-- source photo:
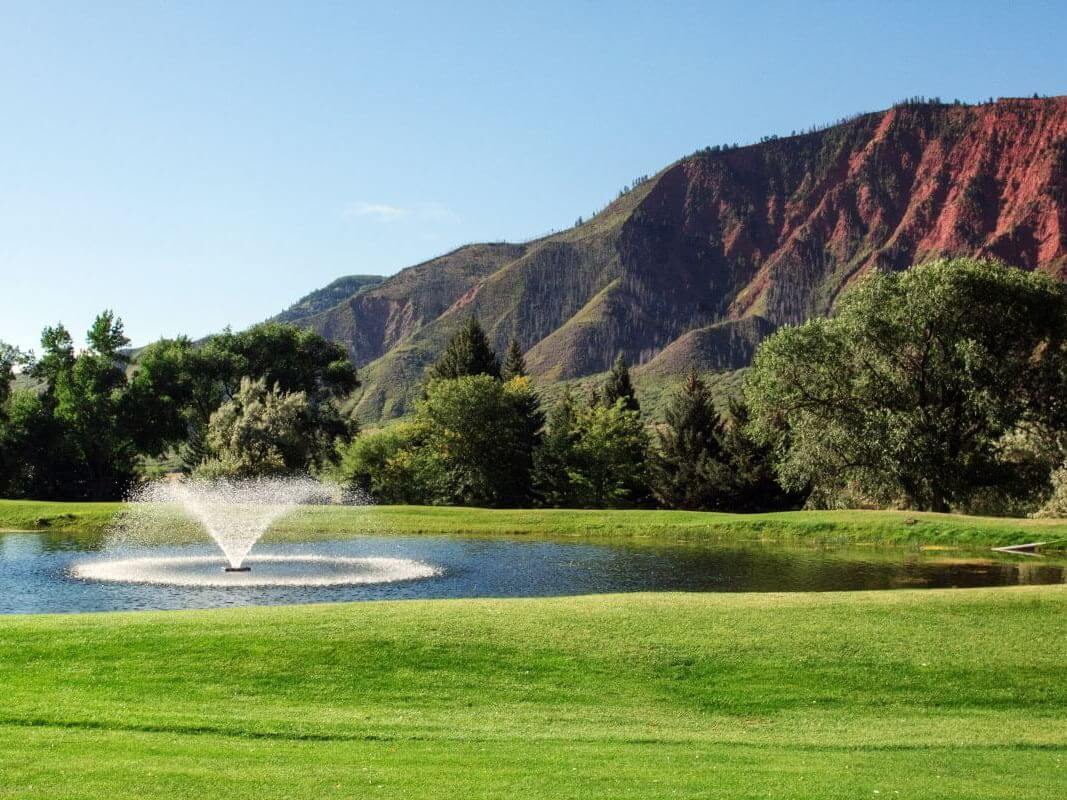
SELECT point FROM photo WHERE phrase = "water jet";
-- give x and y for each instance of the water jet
(235, 514)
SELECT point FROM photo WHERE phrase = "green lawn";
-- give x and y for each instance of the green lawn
(911, 694)
(884, 527)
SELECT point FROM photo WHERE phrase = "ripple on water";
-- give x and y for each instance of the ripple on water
(266, 570)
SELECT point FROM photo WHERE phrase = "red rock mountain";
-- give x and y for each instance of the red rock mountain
(698, 263)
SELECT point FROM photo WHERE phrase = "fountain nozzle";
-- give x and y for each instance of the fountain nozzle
(237, 569)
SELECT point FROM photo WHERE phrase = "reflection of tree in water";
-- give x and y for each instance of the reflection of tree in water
(759, 568)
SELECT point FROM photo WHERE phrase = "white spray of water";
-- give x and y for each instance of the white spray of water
(234, 513)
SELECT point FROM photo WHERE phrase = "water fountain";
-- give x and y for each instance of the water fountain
(235, 514)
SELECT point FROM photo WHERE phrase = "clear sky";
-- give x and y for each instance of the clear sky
(197, 164)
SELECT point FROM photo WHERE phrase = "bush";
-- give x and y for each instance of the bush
(385, 464)
(1056, 505)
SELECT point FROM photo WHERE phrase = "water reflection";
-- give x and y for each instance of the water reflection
(35, 571)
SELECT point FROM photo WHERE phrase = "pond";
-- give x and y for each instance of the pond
(44, 573)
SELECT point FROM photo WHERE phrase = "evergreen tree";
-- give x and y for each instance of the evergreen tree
(689, 470)
(752, 484)
(554, 459)
(618, 386)
(514, 363)
(468, 353)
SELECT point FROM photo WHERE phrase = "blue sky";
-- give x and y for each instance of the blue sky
(198, 164)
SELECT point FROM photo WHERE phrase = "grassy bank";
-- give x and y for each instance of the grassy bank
(878, 527)
(932, 694)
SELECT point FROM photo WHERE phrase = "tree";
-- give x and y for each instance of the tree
(83, 395)
(468, 353)
(87, 430)
(608, 456)
(514, 363)
(183, 384)
(1055, 506)
(480, 435)
(591, 455)
(386, 464)
(618, 386)
(295, 359)
(689, 469)
(10, 357)
(168, 394)
(554, 460)
(260, 431)
(908, 392)
(36, 457)
(751, 483)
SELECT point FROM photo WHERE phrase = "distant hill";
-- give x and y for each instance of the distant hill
(326, 297)
(696, 265)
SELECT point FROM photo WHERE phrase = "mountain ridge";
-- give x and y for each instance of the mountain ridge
(695, 265)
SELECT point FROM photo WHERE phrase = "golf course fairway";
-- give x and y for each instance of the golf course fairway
(914, 693)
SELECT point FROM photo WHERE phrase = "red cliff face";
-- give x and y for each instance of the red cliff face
(782, 227)
(696, 265)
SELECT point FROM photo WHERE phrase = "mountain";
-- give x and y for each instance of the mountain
(696, 265)
(326, 297)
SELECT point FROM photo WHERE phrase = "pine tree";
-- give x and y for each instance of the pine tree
(554, 459)
(514, 363)
(468, 353)
(618, 386)
(753, 485)
(689, 470)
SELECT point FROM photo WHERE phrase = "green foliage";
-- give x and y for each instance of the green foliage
(593, 456)
(294, 359)
(472, 442)
(90, 441)
(514, 363)
(94, 422)
(688, 469)
(468, 353)
(10, 357)
(262, 431)
(706, 461)
(36, 458)
(609, 455)
(1055, 507)
(907, 394)
(385, 464)
(618, 386)
(180, 385)
(480, 436)
(751, 483)
(554, 460)
(171, 389)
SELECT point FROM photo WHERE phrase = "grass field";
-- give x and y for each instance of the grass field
(920, 694)
(878, 527)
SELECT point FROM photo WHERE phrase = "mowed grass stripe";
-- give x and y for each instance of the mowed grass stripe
(927, 693)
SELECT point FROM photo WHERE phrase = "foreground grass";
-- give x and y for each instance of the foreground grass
(932, 694)
(879, 527)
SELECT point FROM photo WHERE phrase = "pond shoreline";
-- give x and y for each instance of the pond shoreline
(838, 527)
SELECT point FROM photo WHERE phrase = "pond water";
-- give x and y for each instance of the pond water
(45, 572)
